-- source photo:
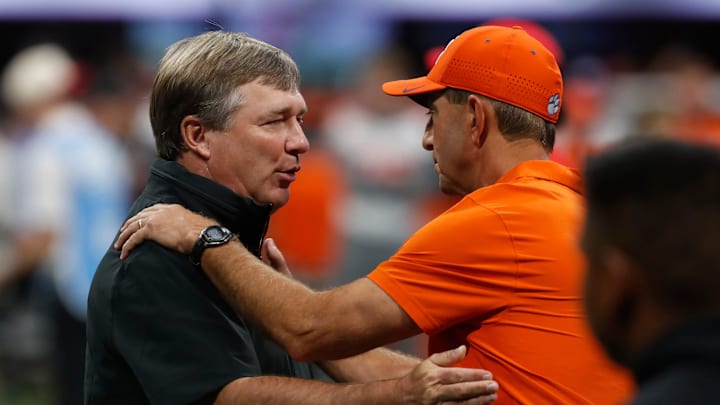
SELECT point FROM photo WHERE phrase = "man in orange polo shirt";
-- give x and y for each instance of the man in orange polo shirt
(500, 271)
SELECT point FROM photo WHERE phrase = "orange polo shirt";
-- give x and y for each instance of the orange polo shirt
(501, 272)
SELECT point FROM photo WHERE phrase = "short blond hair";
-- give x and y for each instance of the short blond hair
(200, 76)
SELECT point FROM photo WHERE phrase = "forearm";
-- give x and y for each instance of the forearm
(377, 364)
(309, 325)
(284, 390)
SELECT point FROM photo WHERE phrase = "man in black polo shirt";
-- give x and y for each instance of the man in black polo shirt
(226, 113)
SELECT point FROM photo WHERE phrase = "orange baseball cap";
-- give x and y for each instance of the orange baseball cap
(503, 63)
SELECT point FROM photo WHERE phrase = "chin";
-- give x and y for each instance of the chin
(279, 201)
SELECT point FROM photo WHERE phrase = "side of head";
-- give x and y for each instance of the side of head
(507, 66)
(651, 237)
(513, 122)
(200, 76)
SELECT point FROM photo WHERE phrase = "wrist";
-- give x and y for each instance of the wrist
(210, 237)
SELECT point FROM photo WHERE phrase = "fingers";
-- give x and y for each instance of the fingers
(264, 255)
(469, 393)
(131, 226)
(129, 237)
(449, 357)
(133, 240)
(274, 257)
(169, 225)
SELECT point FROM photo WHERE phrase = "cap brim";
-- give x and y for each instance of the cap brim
(409, 87)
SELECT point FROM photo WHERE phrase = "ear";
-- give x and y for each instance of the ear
(478, 110)
(194, 134)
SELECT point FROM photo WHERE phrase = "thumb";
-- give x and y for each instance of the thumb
(449, 357)
(275, 258)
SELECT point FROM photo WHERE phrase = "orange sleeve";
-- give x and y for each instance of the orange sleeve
(444, 274)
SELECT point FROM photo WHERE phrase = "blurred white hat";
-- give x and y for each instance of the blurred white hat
(37, 74)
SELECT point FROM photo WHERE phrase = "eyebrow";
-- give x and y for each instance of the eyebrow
(283, 112)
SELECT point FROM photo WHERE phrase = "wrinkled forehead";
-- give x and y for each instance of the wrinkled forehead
(268, 98)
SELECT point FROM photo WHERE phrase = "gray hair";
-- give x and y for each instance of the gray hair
(514, 122)
(200, 76)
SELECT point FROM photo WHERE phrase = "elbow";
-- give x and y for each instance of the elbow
(304, 347)
(304, 353)
(310, 342)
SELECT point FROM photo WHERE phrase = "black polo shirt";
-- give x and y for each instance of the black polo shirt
(158, 331)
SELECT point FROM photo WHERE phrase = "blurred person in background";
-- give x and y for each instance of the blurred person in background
(651, 292)
(115, 88)
(391, 191)
(71, 191)
(500, 271)
(586, 88)
(694, 114)
(375, 139)
(8, 296)
(315, 209)
(226, 112)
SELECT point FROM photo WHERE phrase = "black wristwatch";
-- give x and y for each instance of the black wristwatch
(212, 236)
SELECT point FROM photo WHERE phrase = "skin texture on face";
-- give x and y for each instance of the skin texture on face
(258, 156)
(447, 136)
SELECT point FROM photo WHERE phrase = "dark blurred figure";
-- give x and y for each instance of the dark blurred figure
(651, 239)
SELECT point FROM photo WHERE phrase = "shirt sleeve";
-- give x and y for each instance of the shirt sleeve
(460, 266)
(172, 328)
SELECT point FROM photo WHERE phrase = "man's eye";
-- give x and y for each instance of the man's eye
(301, 120)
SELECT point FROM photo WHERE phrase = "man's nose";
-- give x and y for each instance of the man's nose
(427, 140)
(298, 142)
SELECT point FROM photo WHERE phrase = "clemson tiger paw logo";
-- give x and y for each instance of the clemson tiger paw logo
(553, 104)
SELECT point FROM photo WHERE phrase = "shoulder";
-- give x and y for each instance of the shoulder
(148, 263)
(468, 216)
(467, 232)
(153, 264)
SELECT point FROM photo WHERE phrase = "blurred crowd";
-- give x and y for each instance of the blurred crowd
(75, 145)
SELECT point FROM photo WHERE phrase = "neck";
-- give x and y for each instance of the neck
(500, 156)
(194, 164)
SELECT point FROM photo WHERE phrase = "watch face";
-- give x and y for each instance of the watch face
(215, 233)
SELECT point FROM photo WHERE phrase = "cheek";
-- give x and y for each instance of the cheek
(590, 299)
(595, 300)
(599, 314)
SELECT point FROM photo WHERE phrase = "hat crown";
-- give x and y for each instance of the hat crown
(506, 64)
